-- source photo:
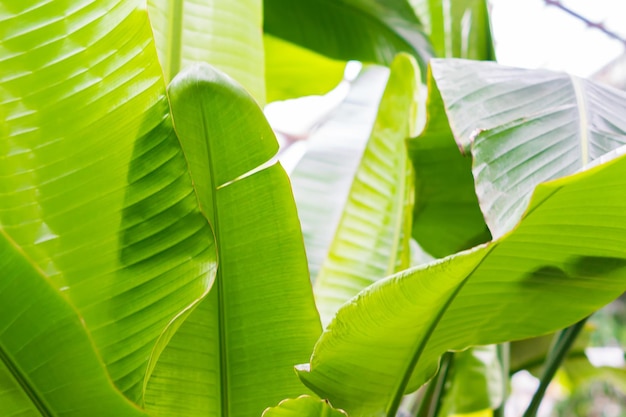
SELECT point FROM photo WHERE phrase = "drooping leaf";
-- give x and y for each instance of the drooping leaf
(47, 361)
(563, 261)
(303, 406)
(458, 29)
(322, 178)
(525, 127)
(292, 71)
(95, 190)
(446, 216)
(235, 353)
(364, 30)
(224, 33)
(373, 231)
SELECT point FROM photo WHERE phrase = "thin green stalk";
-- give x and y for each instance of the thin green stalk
(431, 403)
(504, 356)
(562, 343)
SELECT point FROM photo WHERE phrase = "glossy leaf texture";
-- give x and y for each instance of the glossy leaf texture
(565, 259)
(224, 33)
(458, 29)
(524, 127)
(446, 214)
(234, 354)
(364, 30)
(373, 231)
(292, 71)
(322, 178)
(48, 365)
(95, 189)
(303, 406)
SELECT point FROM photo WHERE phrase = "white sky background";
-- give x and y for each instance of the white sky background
(531, 34)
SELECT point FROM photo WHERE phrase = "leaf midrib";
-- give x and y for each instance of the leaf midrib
(583, 124)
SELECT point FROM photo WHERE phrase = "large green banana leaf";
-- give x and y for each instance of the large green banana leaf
(322, 178)
(292, 71)
(48, 366)
(234, 354)
(373, 232)
(363, 30)
(95, 190)
(224, 33)
(446, 216)
(564, 260)
(303, 406)
(534, 125)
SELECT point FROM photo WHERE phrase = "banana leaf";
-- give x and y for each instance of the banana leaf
(96, 193)
(234, 354)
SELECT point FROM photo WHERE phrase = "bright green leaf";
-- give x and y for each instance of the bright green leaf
(362, 30)
(236, 351)
(292, 71)
(95, 189)
(562, 262)
(224, 33)
(322, 178)
(304, 406)
(48, 366)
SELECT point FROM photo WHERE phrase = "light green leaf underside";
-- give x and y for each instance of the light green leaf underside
(304, 406)
(224, 33)
(565, 260)
(363, 30)
(48, 366)
(95, 189)
(292, 71)
(236, 351)
(322, 178)
(446, 217)
(369, 238)
(525, 127)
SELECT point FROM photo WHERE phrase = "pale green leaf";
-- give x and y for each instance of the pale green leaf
(525, 127)
(373, 232)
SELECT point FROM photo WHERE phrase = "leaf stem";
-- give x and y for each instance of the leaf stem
(504, 357)
(562, 343)
(431, 403)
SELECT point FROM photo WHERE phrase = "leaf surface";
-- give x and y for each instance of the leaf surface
(562, 262)
(363, 30)
(224, 33)
(372, 233)
(235, 353)
(525, 127)
(304, 406)
(95, 189)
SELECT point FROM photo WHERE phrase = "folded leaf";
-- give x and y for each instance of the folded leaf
(363, 30)
(562, 262)
(47, 361)
(235, 353)
(95, 188)
(524, 127)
